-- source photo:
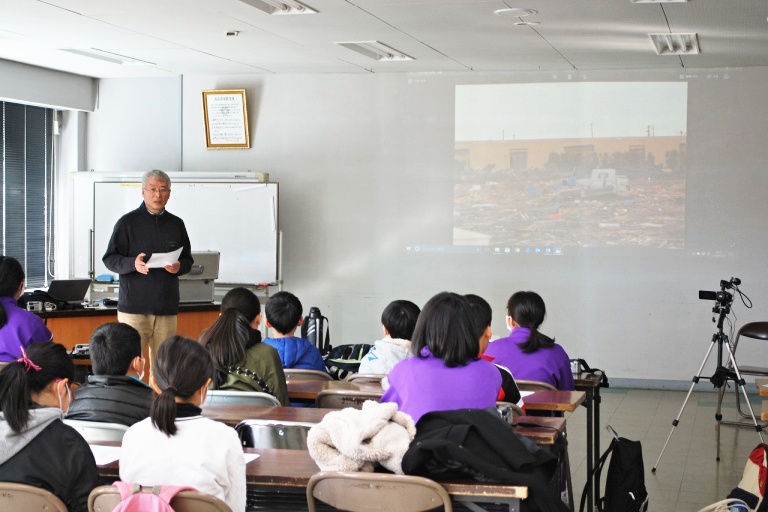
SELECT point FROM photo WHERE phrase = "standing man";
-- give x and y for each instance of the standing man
(149, 297)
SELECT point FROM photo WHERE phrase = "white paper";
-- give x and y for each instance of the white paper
(105, 454)
(161, 259)
(526, 393)
(250, 457)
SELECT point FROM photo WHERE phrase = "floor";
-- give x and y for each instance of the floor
(688, 477)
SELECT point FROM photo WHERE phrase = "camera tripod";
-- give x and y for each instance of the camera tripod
(720, 378)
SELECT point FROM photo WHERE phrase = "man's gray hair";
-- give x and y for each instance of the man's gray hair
(158, 175)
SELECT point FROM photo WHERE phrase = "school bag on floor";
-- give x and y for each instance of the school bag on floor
(159, 500)
(751, 488)
(344, 360)
(625, 482)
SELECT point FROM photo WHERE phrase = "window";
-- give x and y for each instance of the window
(26, 189)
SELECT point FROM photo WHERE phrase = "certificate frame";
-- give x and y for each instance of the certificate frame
(226, 119)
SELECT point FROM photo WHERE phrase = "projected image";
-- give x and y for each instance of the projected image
(549, 166)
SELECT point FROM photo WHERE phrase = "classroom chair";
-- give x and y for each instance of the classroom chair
(106, 497)
(286, 435)
(234, 397)
(343, 398)
(509, 411)
(356, 491)
(27, 498)
(98, 430)
(366, 377)
(298, 373)
(755, 331)
(534, 385)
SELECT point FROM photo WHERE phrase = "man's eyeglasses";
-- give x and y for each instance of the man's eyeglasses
(161, 191)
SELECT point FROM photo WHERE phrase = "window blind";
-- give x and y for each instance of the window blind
(26, 196)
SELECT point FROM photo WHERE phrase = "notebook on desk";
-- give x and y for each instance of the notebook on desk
(72, 291)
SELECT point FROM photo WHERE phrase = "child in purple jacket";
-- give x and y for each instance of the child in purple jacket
(529, 354)
(445, 372)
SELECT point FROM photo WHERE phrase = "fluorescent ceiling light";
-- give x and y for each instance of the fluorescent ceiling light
(376, 50)
(515, 12)
(280, 6)
(675, 44)
(114, 58)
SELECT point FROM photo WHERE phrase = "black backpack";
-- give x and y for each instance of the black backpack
(625, 482)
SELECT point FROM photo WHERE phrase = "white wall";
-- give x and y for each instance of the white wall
(365, 166)
(136, 126)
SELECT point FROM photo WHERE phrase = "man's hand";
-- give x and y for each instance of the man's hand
(139, 264)
(173, 269)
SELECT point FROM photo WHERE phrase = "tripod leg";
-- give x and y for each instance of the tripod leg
(719, 416)
(690, 390)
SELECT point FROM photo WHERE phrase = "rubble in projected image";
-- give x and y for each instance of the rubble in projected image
(624, 189)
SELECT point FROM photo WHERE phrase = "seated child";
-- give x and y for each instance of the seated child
(529, 354)
(241, 360)
(445, 373)
(37, 447)
(283, 312)
(176, 445)
(398, 321)
(483, 315)
(115, 392)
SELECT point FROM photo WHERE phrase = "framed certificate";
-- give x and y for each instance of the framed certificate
(226, 119)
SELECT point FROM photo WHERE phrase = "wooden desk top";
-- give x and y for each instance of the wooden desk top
(292, 469)
(561, 401)
(234, 414)
(540, 429)
(588, 380)
(112, 311)
(307, 389)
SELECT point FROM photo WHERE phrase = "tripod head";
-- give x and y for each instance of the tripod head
(723, 299)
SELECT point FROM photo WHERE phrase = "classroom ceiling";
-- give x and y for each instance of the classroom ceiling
(189, 37)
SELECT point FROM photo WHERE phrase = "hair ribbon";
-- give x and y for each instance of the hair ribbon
(28, 364)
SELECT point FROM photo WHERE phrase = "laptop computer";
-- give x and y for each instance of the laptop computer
(69, 290)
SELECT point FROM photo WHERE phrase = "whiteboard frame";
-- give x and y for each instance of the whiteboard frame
(84, 252)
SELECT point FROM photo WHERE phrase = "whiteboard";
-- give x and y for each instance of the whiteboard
(238, 219)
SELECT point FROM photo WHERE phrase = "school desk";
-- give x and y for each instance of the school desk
(281, 476)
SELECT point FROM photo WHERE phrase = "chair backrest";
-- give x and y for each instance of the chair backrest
(366, 377)
(106, 497)
(356, 491)
(509, 411)
(298, 373)
(98, 430)
(534, 385)
(343, 398)
(26, 498)
(234, 397)
(755, 330)
(287, 435)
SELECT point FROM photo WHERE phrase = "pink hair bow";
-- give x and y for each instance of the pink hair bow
(28, 364)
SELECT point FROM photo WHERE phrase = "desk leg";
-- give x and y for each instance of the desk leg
(596, 435)
(591, 458)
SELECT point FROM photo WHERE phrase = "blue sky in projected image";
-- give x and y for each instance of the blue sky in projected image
(570, 110)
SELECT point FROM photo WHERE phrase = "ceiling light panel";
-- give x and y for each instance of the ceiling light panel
(376, 50)
(675, 44)
(280, 7)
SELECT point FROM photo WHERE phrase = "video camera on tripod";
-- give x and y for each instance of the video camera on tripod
(723, 298)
